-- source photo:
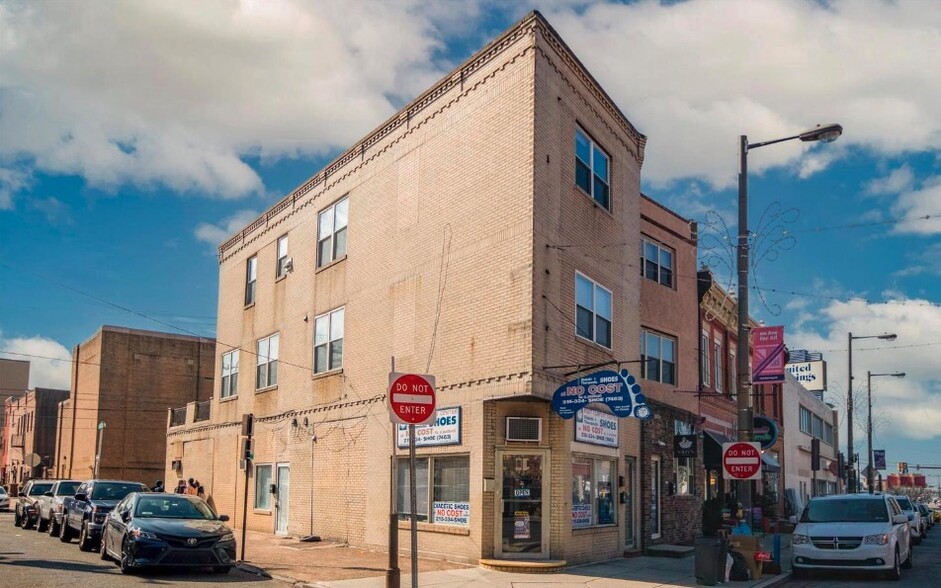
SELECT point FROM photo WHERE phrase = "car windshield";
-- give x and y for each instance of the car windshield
(172, 508)
(904, 503)
(67, 488)
(845, 511)
(39, 489)
(3, 490)
(115, 490)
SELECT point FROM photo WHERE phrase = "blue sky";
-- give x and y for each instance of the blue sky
(136, 136)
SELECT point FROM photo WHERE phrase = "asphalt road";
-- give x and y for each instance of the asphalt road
(926, 571)
(29, 558)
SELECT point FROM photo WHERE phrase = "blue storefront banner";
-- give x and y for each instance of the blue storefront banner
(618, 390)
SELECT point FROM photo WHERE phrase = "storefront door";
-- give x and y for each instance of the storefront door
(282, 506)
(523, 523)
(630, 515)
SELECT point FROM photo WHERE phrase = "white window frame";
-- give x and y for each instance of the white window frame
(596, 489)
(426, 490)
(593, 151)
(704, 359)
(327, 335)
(282, 249)
(827, 433)
(596, 313)
(251, 279)
(717, 353)
(646, 356)
(230, 375)
(659, 273)
(262, 495)
(267, 360)
(328, 228)
(806, 420)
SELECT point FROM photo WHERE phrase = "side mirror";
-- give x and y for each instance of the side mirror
(48, 494)
(21, 495)
(125, 515)
(899, 519)
(223, 518)
(81, 496)
(792, 519)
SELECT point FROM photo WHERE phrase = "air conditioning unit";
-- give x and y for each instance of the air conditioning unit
(289, 265)
(527, 429)
(176, 465)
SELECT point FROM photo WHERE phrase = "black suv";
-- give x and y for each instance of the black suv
(27, 507)
(84, 513)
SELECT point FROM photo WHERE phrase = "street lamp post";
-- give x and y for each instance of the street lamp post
(827, 134)
(869, 377)
(851, 482)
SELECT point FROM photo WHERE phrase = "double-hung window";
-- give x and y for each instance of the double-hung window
(592, 492)
(593, 311)
(331, 232)
(828, 433)
(263, 487)
(282, 269)
(704, 358)
(266, 370)
(806, 421)
(656, 262)
(230, 374)
(442, 490)
(251, 274)
(658, 357)
(591, 169)
(717, 357)
(328, 341)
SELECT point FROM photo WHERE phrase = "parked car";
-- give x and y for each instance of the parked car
(852, 532)
(50, 505)
(84, 513)
(925, 515)
(914, 518)
(27, 511)
(4, 499)
(160, 529)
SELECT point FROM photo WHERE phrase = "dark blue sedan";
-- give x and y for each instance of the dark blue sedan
(178, 530)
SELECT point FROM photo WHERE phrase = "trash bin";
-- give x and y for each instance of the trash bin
(710, 560)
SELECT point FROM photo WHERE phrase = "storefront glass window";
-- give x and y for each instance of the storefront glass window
(592, 492)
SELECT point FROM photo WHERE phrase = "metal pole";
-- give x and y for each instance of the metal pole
(851, 482)
(393, 574)
(869, 474)
(743, 402)
(101, 434)
(413, 498)
(248, 466)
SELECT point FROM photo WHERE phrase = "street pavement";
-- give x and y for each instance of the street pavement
(29, 558)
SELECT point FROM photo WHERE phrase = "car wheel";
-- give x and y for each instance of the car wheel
(916, 539)
(53, 528)
(103, 549)
(221, 569)
(42, 525)
(896, 572)
(65, 535)
(26, 522)
(910, 560)
(127, 566)
(16, 519)
(84, 540)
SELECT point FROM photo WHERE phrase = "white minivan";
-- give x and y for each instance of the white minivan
(852, 532)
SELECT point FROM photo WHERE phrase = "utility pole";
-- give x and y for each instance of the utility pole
(101, 435)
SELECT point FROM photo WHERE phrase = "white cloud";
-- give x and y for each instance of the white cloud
(175, 93)
(919, 206)
(694, 75)
(46, 366)
(214, 234)
(899, 180)
(910, 406)
(12, 180)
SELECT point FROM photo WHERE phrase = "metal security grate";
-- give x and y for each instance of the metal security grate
(523, 429)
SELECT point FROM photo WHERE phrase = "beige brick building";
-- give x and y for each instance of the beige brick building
(32, 419)
(487, 234)
(127, 379)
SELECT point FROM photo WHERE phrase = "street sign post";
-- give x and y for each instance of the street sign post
(411, 400)
(741, 461)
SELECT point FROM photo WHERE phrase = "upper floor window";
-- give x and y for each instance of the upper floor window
(593, 311)
(704, 358)
(828, 433)
(230, 374)
(806, 421)
(657, 262)
(251, 274)
(266, 368)
(591, 169)
(282, 257)
(331, 232)
(328, 341)
(717, 357)
(657, 357)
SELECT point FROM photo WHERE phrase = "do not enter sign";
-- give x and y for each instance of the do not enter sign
(741, 461)
(411, 398)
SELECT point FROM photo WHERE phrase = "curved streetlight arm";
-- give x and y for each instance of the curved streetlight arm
(826, 133)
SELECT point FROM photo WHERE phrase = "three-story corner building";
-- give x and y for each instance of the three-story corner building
(487, 235)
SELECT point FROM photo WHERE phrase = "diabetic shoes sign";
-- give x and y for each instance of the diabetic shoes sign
(618, 390)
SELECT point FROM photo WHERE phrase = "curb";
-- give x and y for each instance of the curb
(252, 569)
(775, 581)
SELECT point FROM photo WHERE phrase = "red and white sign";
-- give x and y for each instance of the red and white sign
(411, 398)
(741, 461)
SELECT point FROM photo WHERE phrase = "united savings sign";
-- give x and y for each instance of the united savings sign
(741, 461)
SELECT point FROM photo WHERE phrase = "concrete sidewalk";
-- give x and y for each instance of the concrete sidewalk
(324, 565)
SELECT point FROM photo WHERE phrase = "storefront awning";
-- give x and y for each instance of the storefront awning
(769, 465)
(712, 449)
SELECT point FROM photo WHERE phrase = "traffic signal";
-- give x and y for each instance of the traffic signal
(815, 454)
(248, 424)
(248, 446)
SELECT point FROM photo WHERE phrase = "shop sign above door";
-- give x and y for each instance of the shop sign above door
(618, 390)
(764, 431)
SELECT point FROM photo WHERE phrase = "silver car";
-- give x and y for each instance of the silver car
(50, 506)
(914, 518)
(4, 499)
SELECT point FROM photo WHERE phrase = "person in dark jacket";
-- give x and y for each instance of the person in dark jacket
(157, 487)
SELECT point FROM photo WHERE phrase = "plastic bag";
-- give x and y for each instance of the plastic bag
(728, 565)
